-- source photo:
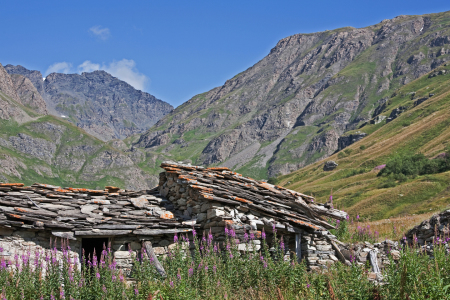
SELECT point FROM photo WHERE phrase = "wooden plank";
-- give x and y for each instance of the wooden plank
(374, 261)
(153, 258)
(58, 225)
(103, 232)
(298, 246)
(64, 234)
(117, 227)
(160, 231)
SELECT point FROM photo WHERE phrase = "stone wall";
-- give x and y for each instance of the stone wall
(431, 230)
(21, 241)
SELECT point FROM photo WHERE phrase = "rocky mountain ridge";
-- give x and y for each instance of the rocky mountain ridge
(104, 106)
(291, 108)
(37, 147)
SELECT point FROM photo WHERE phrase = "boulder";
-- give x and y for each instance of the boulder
(330, 165)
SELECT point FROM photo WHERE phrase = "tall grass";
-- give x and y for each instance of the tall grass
(211, 273)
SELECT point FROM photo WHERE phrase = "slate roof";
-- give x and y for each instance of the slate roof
(86, 212)
(283, 205)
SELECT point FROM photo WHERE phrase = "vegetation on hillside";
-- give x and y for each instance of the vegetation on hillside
(419, 186)
(409, 166)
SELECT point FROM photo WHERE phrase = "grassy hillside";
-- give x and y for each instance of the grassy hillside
(424, 128)
(54, 151)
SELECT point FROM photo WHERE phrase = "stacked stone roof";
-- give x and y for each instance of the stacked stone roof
(285, 208)
(71, 212)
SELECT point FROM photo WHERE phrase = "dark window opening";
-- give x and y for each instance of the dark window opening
(91, 244)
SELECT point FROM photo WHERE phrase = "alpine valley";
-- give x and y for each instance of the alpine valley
(384, 87)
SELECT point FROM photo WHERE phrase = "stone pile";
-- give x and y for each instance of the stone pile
(377, 255)
(431, 231)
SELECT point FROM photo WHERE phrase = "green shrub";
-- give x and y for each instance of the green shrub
(411, 165)
(362, 147)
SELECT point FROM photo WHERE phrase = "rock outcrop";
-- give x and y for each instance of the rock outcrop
(306, 93)
(10, 103)
(345, 141)
(330, 165)
(28, 94)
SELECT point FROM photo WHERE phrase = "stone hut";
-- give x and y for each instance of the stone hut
(216, 198)
(187, 198)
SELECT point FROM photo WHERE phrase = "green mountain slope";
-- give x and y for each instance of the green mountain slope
(290, 109)
(420, 128)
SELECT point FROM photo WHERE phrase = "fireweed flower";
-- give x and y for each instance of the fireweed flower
(113, 278)
(190, 272)
(308, 285)
(2, 264)
(61, 294)
(263, 234)
(171, 284)
(233, 233)
(206, 268)
(357, 217)
(1, 249)
(136, 292)
(227, 232)
(193, 232)
(52, 297)
(104, 289)
(231, 255)
(273, 228)
(214, 269)
(252, 236)
(175, 238)
(97, 275)
(179, 276)
(246, 236)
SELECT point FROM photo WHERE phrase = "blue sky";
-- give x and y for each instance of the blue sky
(173, 49)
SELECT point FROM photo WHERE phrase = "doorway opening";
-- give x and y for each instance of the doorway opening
(91, 244)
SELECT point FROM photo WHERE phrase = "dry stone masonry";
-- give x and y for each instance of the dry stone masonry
(217, 198)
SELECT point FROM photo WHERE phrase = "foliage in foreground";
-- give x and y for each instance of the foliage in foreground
(229, 274)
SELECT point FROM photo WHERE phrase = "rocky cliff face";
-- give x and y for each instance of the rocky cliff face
(10, 102)
(290, 109)
(38, 147)
(28, 94)
(101, 104)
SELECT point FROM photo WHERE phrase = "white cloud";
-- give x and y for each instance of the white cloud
(124, 69)
(88, 66)
(100, 32)
(59, 67)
